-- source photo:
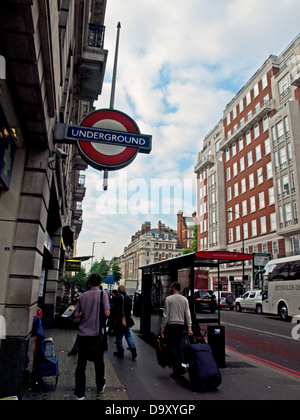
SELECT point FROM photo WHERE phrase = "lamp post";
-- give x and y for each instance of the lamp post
(243, 240)
(93, 251)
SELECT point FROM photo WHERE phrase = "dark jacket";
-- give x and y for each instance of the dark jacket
(127, 306)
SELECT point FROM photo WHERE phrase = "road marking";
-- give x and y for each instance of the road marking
(259, 331)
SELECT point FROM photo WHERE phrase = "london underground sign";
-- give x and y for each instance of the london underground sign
(107, 139)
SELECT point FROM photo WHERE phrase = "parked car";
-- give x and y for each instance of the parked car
(205, 300)
(251, 300)
(226, 300)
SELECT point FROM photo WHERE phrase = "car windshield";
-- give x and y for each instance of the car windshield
(205, 294)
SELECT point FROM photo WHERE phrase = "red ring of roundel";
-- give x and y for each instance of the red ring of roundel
(100, 158)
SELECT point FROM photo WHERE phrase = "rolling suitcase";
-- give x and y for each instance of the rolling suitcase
(162, 352)
(203, 370)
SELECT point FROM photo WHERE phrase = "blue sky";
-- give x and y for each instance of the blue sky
(179, 65)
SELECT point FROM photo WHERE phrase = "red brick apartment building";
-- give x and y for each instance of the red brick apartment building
(248, 182)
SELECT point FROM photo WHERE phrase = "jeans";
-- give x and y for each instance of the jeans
(83, 345)
(174, 334)
(123, 332)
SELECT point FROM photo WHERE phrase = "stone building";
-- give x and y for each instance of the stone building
(52, 68)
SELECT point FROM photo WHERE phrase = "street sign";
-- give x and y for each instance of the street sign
(119, 138)
(115, 139)
(109, 279)
(73, 265)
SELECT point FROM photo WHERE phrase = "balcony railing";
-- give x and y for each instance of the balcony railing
(96, 35)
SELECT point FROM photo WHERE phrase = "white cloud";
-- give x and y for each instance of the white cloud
(179, 65)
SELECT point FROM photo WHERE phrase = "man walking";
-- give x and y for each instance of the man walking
(123, 305)
(88, 309)
(176, 315)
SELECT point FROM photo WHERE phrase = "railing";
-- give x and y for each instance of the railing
(96, 35)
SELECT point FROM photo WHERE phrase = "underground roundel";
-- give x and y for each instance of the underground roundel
(118, 151)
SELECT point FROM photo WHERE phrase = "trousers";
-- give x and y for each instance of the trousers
(121, 332)
(80, 377)
(174, 334)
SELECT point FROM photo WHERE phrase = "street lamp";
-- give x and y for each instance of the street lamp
(243, 239)
(93, 251)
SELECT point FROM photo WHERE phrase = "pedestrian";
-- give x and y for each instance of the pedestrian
(123, 305)
(90, 333)
(110, 322)
(176, 316)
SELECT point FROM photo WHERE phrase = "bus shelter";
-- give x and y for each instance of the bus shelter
(191, 271)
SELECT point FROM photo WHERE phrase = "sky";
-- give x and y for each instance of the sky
(179, 65)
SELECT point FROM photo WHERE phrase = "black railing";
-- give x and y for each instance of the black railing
(96, 35)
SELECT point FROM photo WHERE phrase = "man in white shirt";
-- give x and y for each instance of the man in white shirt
(176, 315)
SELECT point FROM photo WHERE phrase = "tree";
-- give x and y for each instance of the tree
(194, 247)
(116, 269)
(100, 267)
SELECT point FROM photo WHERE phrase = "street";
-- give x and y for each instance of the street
(264, 338)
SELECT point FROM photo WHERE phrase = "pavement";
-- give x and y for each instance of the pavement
(144, 380)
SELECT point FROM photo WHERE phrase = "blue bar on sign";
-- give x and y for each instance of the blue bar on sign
(116, 138)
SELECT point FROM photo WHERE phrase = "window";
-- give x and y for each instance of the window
(260, 178)
(288, 214)
(250, 159)
(267, 147)
(269, 170)
(234, 169)
(251, 181)
(265, 124)
(241, 144)
(258, 152)
(263, 225)
(273, 222)
(261, 200)
(282, 158)
(284, 86)
(234, 113)
(242, 164)
(241, 105)
(227, 155)
(252, 204)
(280, 132)
(244, 207)
(234, 149)
(264, 82)
(228, 176)
(237, 211)
(271, 196)
(245, 230)
(229, 214)
(228, 119)
(230, 235)
(256, 131)
(238, 233)
(229, 194)
(256, 90)
(254, 228)
(275, 249)
(285, 185)
(286, 126)
(248, 98)
(243, 185)
(248, 138)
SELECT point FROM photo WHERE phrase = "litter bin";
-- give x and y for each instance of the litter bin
(216, 340)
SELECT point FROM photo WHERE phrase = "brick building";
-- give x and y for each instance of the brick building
(247, 171)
